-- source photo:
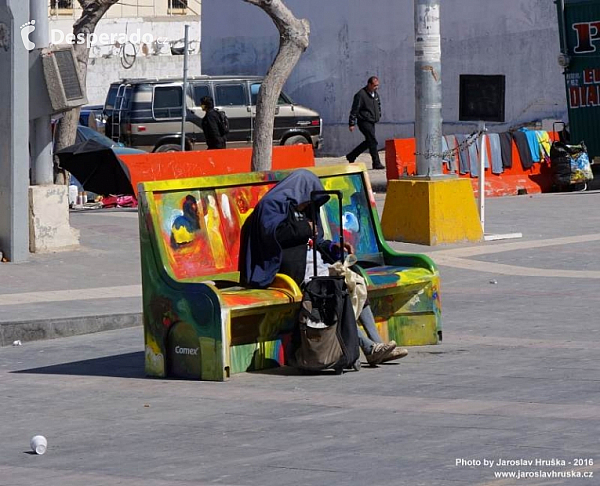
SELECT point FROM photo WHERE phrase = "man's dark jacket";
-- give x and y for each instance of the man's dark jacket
(365, 107)
(212, 132)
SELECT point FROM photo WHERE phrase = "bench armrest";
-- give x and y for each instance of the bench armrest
(287, 284)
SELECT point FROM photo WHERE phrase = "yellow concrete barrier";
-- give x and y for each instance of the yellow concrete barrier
(431, 212)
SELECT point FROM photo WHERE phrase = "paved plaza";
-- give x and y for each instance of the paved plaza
(513, 389)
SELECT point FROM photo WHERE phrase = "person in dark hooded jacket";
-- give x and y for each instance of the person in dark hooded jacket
(275, 240)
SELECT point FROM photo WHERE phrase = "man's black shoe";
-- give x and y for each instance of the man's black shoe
(378, 167)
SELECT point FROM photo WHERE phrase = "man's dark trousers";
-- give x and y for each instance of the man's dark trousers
(370, 142)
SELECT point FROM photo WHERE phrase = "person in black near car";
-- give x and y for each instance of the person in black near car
(366, 112)
(211, 125)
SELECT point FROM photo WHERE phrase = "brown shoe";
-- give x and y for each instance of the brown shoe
(396, 353)
(379, 351)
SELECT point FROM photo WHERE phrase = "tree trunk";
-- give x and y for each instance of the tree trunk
(293, 42)
(66, 131)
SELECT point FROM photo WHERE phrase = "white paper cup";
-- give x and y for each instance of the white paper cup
(38, 444)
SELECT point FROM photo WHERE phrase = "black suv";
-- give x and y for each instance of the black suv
(146, 113)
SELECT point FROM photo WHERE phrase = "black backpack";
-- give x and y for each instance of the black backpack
(223, 123)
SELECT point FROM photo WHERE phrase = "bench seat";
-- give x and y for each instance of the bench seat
(200, 323)
(239, 299)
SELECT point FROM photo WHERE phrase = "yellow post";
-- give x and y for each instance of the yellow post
(431, 212)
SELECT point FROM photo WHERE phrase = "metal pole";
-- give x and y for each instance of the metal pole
(200, 46)
(482, 156)
(563, 27)
(428, 88)
(41, 138)
(185, 85)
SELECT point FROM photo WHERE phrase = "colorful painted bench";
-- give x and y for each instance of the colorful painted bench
(200, 323)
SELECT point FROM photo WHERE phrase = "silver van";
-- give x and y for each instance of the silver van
(146, 113)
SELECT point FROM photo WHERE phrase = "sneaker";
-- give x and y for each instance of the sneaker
(378, 166)
(379, 351)
(349, 160)
(396, 353)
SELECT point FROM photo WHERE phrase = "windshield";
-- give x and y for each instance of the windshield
(283, 98)
(111, 96)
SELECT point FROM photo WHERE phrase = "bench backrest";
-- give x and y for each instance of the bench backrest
(193, 225)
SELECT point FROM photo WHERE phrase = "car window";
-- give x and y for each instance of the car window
(199, 92)
(230, 95)
(123, 100)
(283, 98)
(167, 102)
(110, 97)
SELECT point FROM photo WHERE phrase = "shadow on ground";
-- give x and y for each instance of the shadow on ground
(129, 365)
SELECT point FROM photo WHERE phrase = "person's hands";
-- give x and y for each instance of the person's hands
(349, 248)
(351, 127)
(335, 248)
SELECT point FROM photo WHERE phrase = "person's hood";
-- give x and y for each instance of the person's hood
(262, 250)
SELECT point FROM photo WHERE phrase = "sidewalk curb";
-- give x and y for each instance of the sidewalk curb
(42, 329)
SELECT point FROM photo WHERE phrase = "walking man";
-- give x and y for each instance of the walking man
(365, 112)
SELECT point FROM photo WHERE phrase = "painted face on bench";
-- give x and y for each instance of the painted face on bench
(242, 203)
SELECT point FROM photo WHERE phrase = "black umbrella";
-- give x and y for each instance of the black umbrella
(97, 168)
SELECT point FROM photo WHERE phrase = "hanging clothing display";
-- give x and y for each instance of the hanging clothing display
(534, 144)
(524, 151)
(506, 148)
(463, 154)
(452, 144)
(496, 153)
(474, 160)
(474, 154)
(545, 142)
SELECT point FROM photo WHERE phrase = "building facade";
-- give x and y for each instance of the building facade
(136, 38)
(353, 39)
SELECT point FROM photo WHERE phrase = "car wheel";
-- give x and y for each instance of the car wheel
(295, 140)
(169, 147)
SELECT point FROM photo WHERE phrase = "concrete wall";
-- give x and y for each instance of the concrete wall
(134, 8)
(353, 39)
(101, 72)
(151, 59)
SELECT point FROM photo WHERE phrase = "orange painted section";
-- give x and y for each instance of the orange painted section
(182, 165)
(400, 161)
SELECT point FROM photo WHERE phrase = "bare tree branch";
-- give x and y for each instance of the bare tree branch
(93, 11)
(293, 41)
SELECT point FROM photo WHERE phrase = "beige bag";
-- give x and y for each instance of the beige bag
(354, 282)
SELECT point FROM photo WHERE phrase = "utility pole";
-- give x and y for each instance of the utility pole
(442, 206)
(186, 55)
(41, 137)
(14, 127)
(428, 88)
